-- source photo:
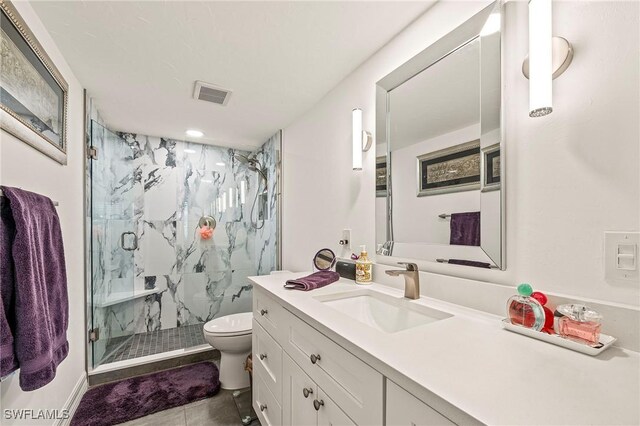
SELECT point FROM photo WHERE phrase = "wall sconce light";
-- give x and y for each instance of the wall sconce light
(360, 139)
(548, 58)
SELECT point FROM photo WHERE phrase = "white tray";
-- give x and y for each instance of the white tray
(605, 341)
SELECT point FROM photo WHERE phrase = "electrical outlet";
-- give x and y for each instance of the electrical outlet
(345, 241)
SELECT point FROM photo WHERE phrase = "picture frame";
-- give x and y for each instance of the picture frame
(381, 176)
(452, 169)
(33, 93)
(491, 168)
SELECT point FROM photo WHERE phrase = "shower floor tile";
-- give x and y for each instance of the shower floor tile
(154, 342)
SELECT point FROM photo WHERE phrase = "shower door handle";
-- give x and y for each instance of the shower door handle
(132, 246)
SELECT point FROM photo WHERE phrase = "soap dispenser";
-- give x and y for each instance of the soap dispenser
(363, 267)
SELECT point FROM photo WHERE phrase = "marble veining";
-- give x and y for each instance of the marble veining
(159, 188)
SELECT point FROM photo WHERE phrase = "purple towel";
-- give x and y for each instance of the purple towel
(465, 229)
(41, 308)
(313, 281)
(470, 263)
(8, 359)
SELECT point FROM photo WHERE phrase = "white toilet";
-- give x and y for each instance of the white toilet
(231, 335)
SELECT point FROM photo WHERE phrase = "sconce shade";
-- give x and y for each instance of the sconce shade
(356, 138)
(540, 58)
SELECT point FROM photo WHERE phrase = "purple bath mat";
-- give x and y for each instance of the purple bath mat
(136, 397)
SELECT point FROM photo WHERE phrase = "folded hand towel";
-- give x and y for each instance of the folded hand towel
(465, 229)
(313, 281)
(470, 263)
(41, 308)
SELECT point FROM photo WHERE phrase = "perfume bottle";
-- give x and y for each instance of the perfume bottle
(524, 310)
(579, 323)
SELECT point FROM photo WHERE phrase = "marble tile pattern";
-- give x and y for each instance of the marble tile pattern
(266, 238)
(159, 189)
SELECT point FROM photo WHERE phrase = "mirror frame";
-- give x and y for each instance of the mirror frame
(440, 49)
(332, 263)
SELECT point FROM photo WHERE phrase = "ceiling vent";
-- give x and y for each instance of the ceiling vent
(211, 93)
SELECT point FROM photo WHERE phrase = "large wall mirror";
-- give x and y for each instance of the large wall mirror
(440, 166)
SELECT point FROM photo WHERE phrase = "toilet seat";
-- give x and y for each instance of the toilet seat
(230, 325)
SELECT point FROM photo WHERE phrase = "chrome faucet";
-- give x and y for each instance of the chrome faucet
(411, 279)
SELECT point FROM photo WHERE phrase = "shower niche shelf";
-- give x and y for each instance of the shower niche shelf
(115, 298)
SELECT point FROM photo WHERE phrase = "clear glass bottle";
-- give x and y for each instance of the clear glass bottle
(524, 310)
(579, 323)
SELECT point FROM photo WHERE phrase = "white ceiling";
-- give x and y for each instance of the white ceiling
(443, 98)
(139, 59)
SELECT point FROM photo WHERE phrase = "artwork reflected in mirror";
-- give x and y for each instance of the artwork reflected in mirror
(440, 117)
(450, 170)
(381, 176)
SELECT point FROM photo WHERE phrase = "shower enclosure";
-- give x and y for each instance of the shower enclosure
(155, 279)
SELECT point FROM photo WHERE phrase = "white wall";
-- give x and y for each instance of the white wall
(24, 167)
(569, 176)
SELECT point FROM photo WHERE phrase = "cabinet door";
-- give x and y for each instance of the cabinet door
(404, 409)
(329, 414)
(298, 394)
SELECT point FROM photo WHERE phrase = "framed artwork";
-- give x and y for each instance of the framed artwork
(381, 176)
(33, 93)
(452, 169)
(491, 158)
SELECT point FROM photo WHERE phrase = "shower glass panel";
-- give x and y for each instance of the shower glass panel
(113, 242)
(157, 276)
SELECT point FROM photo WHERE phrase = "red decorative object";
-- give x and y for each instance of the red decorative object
(206, 233)
(540, 297)
(548, 318)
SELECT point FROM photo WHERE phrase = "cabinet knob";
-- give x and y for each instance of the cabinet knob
(314, 358)
(263, 312)
(307, 391)
(263, 356)
(317, 404)
(263, 407)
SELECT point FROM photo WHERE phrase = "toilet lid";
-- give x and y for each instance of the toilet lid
(230, 324)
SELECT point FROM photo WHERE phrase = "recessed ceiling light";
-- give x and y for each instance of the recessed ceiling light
(220, 164)
(190, 151)
(194, 133)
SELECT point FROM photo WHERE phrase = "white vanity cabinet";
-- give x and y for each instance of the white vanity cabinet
(301, 377)
(304, 403)
(404, 409)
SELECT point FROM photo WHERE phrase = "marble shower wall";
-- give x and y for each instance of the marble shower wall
(266, 238)
(160, 188)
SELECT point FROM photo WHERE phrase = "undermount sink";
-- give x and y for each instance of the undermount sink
(381, 311)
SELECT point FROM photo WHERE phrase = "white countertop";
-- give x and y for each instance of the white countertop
(469, 361)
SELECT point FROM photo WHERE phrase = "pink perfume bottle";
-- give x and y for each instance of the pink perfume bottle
(524, 310)
(579, 323)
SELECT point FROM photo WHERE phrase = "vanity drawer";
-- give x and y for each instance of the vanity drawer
(269, 313)
(343, 376)
(267, 360)
(264, 403)
(404, 409)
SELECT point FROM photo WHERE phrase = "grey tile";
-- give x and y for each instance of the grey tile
(218, 410)
(172, 417)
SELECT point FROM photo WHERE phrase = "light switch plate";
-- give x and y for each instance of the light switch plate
(621, 253)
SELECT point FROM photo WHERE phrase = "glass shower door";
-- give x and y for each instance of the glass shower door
(113, 243)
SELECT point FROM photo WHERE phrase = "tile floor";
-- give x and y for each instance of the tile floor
(154, 342)
(220, 410)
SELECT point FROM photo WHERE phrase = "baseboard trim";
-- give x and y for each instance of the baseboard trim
(71, 405)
